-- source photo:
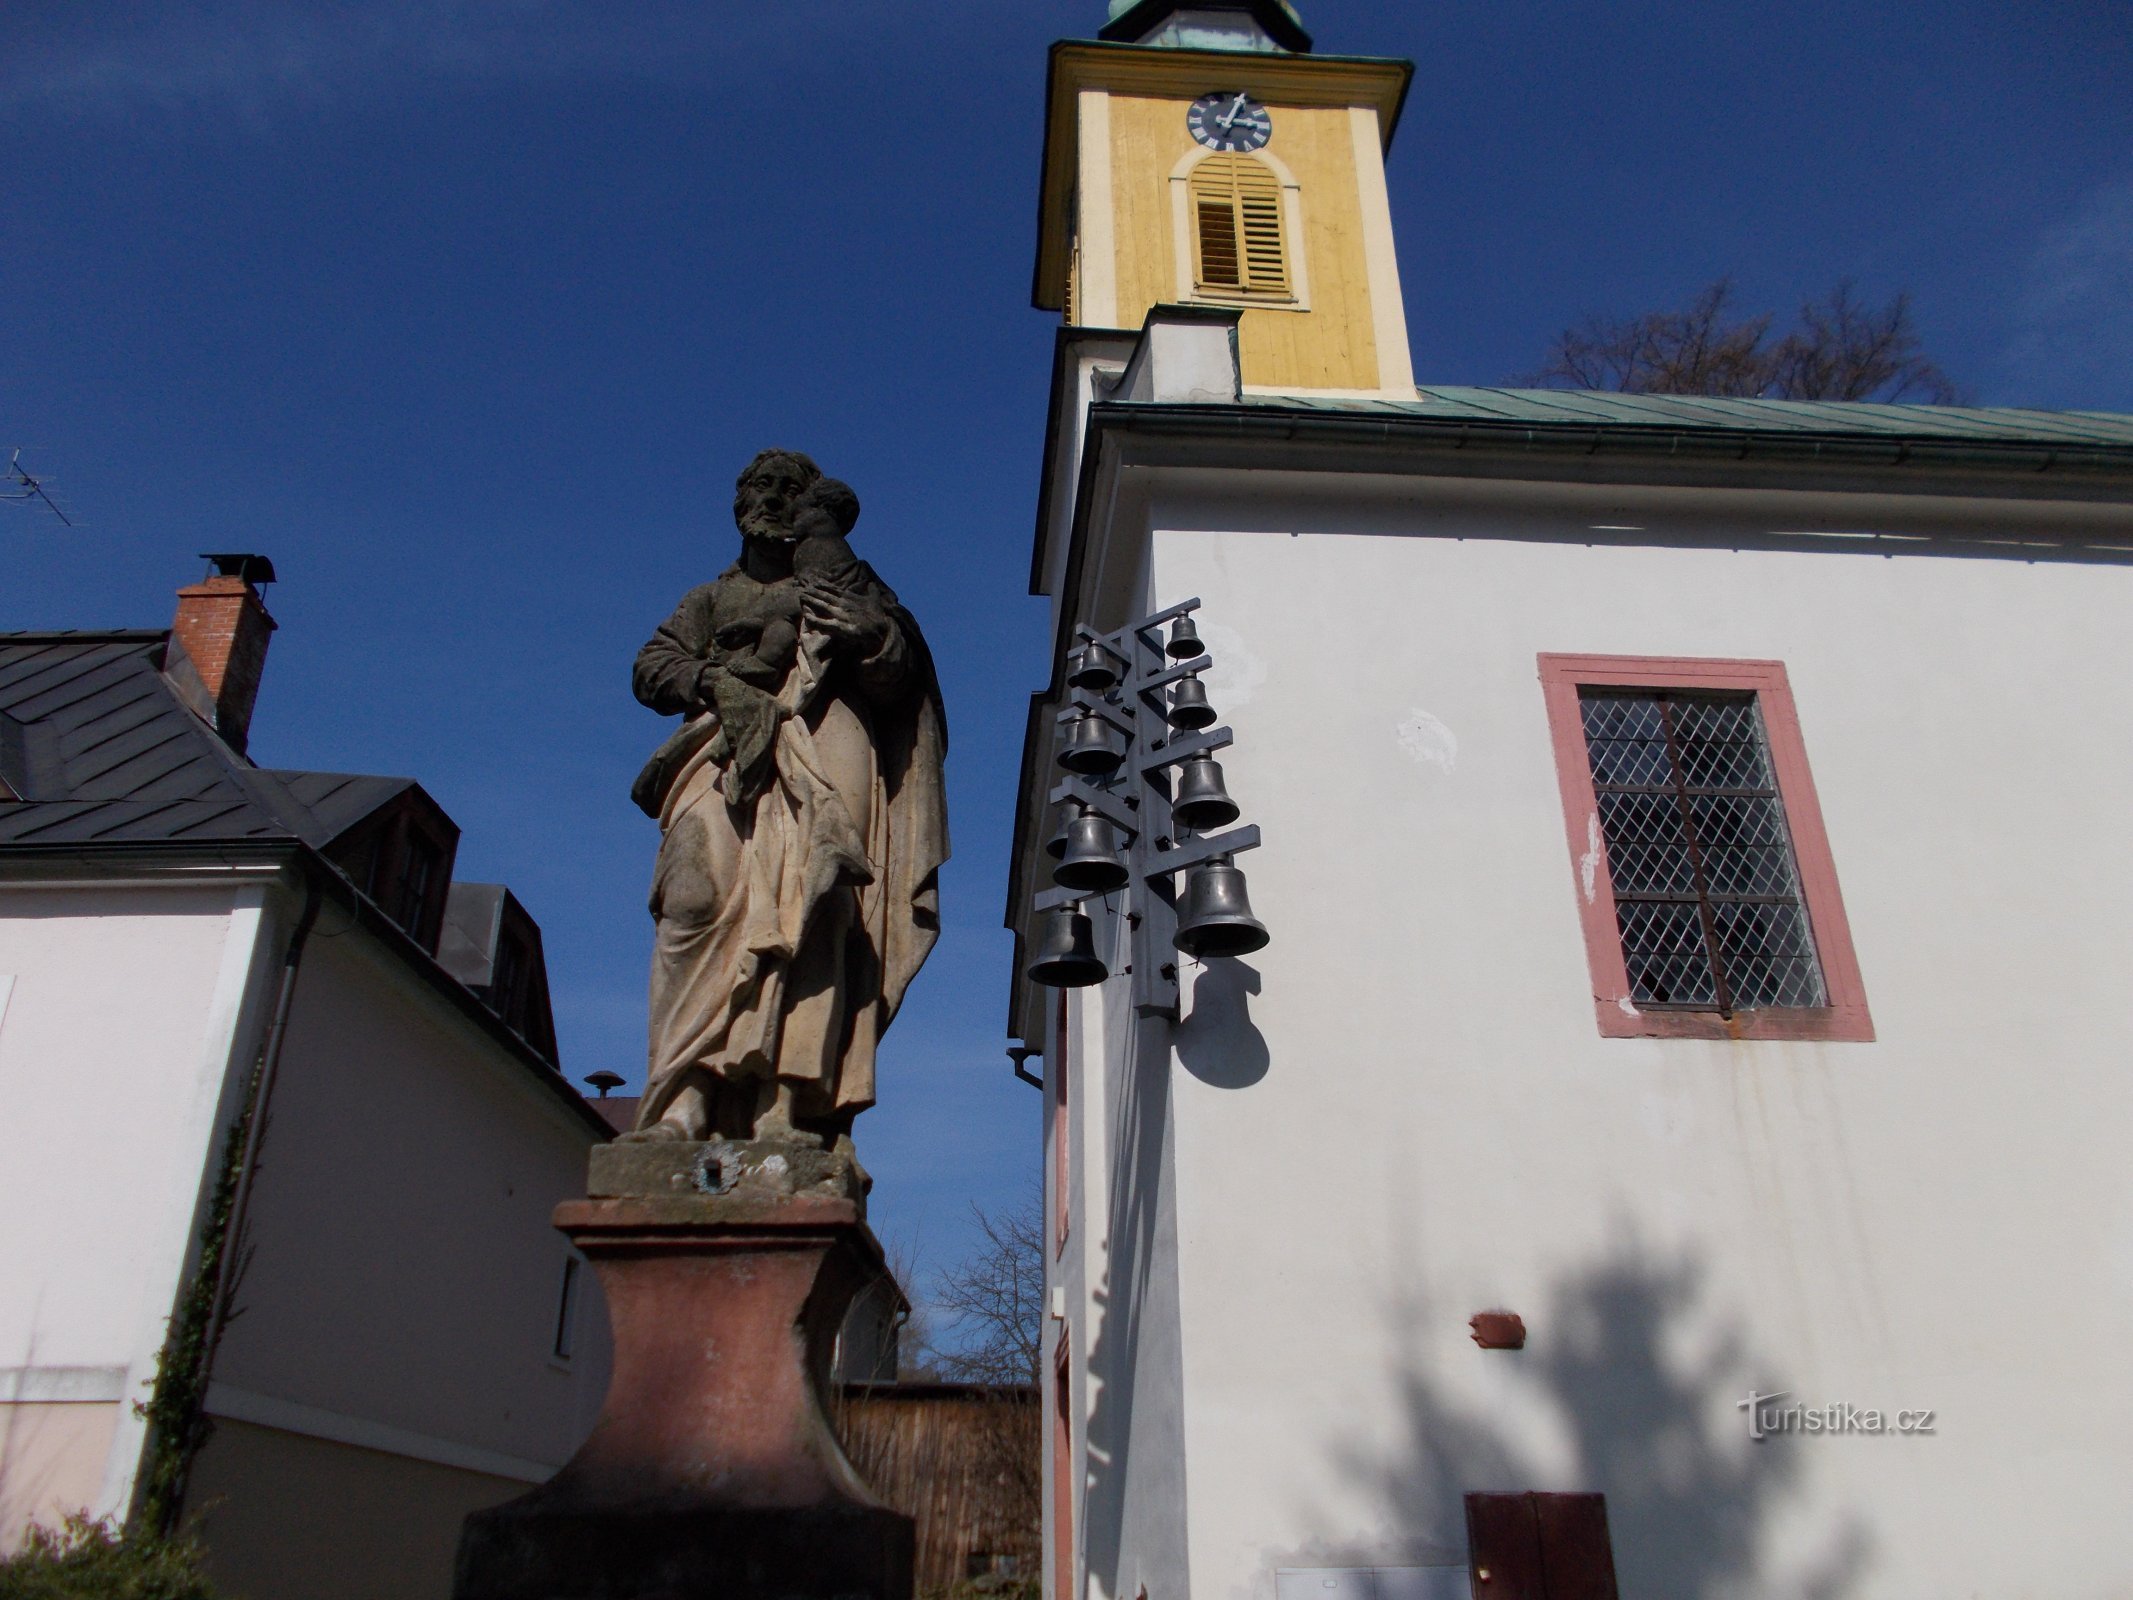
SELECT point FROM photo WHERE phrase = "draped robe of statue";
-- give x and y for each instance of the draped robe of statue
(802, 826)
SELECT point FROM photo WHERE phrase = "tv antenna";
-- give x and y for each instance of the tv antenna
(21, 486)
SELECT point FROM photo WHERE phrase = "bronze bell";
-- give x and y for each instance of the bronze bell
(1093, 748)
(1184, 639)
(1188, 706)
(1091, 864)
(1216, 917)
(1201, 801)
(1055, 846)
(1091, 667)
(1066, 952)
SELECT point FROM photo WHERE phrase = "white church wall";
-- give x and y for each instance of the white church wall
(127, 1007)
(1410, 1117)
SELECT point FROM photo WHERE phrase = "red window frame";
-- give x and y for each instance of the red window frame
(1845, 1018)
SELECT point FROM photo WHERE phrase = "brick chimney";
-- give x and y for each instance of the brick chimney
(222, 628)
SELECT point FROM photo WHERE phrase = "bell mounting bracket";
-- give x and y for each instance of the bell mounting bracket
(1136, 799)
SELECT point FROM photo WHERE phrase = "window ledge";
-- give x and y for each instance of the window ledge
(1247, 302)
(1622, 1019)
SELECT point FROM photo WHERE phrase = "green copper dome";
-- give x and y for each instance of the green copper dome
(1207, 25)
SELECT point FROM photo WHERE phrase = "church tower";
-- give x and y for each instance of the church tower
(1197, 153)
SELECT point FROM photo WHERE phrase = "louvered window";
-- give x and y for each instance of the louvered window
(1237, 229)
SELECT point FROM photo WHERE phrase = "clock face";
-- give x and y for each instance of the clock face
(1229, 120)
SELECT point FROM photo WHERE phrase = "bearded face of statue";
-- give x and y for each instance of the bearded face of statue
(763, 500)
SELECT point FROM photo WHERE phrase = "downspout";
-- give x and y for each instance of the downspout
(230, 1252)
(277, 1034)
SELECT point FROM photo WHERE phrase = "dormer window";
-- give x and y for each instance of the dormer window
(401, 857)
(492, 946)
(404, 886)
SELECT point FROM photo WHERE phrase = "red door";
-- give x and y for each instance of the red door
(1539, 1547)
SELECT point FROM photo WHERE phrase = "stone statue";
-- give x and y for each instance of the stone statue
(802, 824)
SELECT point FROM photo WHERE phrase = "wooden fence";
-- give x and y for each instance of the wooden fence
(961, 1458)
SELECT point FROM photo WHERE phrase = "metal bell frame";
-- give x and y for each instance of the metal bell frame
(1136, 798)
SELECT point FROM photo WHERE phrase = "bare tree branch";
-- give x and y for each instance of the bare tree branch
(917, 1358)
(1841, 350)
(994, 1299)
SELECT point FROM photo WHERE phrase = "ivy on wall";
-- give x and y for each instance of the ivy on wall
(176, 1409)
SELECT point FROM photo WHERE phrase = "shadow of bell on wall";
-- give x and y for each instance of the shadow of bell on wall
(1218, 1042)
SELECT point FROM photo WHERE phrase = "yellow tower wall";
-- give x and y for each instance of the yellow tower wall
(1328, 344)
(1112, 230)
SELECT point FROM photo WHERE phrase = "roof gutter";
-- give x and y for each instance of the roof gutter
(1260, 424)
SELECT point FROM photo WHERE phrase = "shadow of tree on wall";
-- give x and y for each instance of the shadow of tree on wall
(1625, 1364)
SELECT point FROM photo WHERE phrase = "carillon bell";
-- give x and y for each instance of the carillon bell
(1055, 846)
(1066, 953)
(1202, 802)
(1093, 747)
(1091, 864)
(1184, 639)
(1216, 917)
(1091, 667)
(1188, 706)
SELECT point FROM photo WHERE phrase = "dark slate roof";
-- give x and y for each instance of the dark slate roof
(1981, 425)
(100, 747)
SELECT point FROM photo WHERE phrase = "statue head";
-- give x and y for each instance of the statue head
(768, 490)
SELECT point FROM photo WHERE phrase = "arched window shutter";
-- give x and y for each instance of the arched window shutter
(1236, 204)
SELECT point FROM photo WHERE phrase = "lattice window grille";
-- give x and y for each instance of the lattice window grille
(1237, 228)
(1707, 891)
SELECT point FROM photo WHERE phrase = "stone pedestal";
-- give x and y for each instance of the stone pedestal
(713, 1470)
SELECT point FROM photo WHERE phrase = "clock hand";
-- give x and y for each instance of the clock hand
(1233, 110)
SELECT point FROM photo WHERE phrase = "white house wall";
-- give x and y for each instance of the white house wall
(127, 1007)
(1400, 1113)
(392, 1367)
(404, 1293)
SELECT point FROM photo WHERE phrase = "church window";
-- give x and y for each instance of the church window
(1238, 236)
(1710, 900)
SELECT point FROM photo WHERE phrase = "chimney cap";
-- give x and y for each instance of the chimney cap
(238, 564)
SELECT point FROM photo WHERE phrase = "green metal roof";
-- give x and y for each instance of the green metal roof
(1580, 408)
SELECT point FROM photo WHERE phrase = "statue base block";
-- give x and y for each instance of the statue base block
(686, 1555)
(712, 1473)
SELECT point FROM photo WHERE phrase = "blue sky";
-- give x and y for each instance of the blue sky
(468, 313)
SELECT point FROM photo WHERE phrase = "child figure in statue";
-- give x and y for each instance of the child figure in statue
(758, 652)
(821, 559)
(822, 519)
